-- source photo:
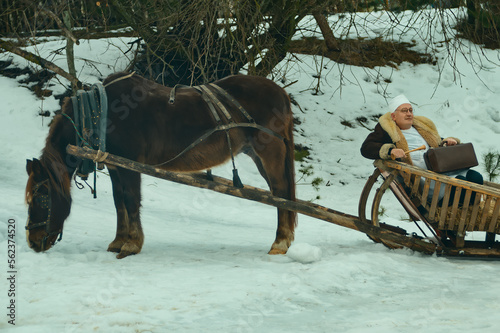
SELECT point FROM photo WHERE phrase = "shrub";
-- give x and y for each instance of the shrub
(492, 165)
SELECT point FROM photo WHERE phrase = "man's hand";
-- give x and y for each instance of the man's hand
(450, 142)
(397, 153)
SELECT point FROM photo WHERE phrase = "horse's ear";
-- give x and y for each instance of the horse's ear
(36, 168)
(29, 165)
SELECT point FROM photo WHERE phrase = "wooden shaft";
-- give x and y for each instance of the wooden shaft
(224, 186)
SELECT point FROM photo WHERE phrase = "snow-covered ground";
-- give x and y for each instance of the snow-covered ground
(204, 266)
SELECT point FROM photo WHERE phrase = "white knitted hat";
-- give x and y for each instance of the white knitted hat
(397, 101)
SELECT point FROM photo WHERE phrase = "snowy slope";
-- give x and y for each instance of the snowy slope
(204, 266)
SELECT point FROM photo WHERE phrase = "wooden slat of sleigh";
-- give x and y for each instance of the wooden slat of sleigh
(416, 184)
(425, 193)
(444, 206)
(407, 178)
(475, 210)
(463, 214)
(435, 200)
(454, 209)
(486, 209)
(483, 189)
(494, 217)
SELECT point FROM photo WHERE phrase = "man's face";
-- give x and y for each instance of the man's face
(403, 116)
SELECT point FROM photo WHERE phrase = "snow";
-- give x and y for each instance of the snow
(304, 253)
(204, 265)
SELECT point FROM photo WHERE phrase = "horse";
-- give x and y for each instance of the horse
(144, 125)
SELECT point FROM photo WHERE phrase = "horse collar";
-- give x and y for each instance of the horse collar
(90, 110)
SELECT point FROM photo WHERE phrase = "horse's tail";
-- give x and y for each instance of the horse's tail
(290, 162)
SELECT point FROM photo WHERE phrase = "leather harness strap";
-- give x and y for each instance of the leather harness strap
(217, 129)
(217, 102)
(210, 100)
(221, 116)
(90, 112)
(232, 100)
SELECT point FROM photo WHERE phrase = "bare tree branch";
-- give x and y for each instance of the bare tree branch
(61, 25)
(330, 40)
(8, 46)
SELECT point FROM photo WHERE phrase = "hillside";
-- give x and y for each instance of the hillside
(204, 266)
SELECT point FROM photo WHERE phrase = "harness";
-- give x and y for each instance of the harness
(90, 108)
(44, 201)
(211, 94)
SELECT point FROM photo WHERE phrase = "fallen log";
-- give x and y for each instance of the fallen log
(224, 186)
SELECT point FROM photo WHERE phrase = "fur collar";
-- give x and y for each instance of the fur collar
(423, 125)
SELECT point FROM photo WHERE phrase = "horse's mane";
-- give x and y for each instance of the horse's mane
(52, 158)
(52, 161)
(57, 170)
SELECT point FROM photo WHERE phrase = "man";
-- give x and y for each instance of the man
(399, 131)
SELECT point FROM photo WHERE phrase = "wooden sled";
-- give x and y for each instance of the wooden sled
(447, 219)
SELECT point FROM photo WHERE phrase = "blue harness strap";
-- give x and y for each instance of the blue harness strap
(90, 108)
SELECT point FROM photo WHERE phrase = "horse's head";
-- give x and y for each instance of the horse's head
(48, 207)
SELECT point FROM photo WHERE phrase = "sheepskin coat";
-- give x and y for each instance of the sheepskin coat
(388, 135)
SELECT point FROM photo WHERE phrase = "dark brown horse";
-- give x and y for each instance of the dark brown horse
(143, 126)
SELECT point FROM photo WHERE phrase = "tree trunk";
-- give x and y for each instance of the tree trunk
(330, 40)
(285, 16)
(70, 54)
(195, 42)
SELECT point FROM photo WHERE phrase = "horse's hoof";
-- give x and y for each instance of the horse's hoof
(123, 254)
(279, 247)
(114, 249)
(115, 246)
(127, 250)
(276, 251)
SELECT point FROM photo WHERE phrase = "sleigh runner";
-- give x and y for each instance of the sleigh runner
(392, 236)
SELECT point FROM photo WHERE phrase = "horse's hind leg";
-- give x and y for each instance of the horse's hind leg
(121, 213)
(274, 164)
(129, 236)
